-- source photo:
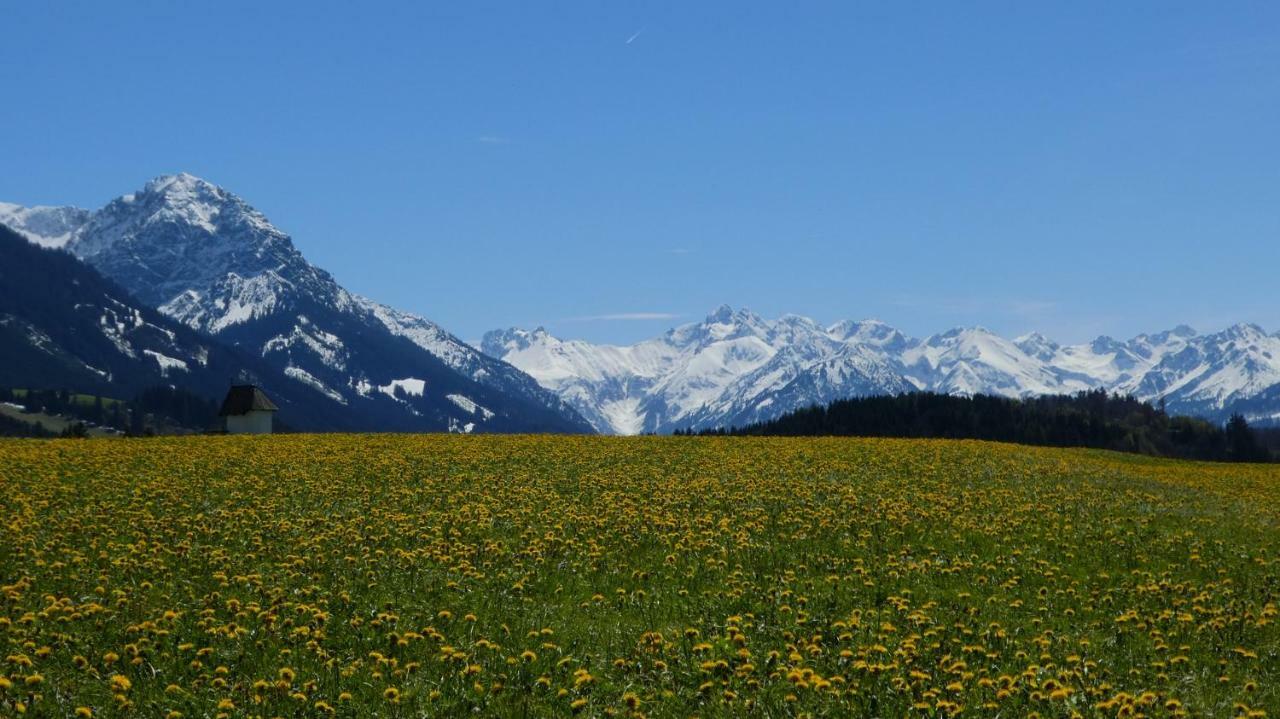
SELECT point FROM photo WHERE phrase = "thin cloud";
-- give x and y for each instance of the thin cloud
(625, 317)
(635, 35)
(679, 251)
(493, 140)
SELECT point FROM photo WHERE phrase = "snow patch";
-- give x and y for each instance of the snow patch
(457, 427)
(326, 346)
(411, 386)
(166, 363)
(469, 405)
(313, 382)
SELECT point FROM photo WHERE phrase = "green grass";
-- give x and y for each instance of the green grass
(542, 576)
(84, 400)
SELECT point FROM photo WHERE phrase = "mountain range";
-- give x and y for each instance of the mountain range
(199, 256)
(184, 283)
(735, 367)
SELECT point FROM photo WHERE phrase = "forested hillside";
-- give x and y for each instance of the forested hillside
(1087, 419)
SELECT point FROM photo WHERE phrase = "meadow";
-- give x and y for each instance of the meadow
(408, 576)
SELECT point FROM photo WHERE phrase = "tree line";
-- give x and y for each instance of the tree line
(1094, 419)
(13, 427)
(155, 410)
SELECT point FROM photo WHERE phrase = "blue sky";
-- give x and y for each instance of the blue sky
(610, 169)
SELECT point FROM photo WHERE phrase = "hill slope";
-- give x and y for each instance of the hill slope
(204, 257)
(62, 325)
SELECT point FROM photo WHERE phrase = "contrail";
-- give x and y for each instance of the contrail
(633, 37)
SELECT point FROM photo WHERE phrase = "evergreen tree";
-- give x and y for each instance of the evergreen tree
(1242, 446)
(77, 431)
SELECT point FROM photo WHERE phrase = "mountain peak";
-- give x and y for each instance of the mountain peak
(721, 315)
(1176, 336)
(181, 180)
(181, 232)
(497, 343)
(964, 333)
(870, 332)
(1244, 330)
(182, 186)
(794, 320)
(1033, 338)
(1103, 344)
(1035, 344)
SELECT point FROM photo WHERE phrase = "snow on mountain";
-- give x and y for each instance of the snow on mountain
(694, 375)
(201, 254)
(1211, 372)
(51, 227)
(1038, 346)
(724, 347)
(735, 367)
(205, 257)
(870, 332)
(973, 361)
(64, 326)
(605, 384)
(464, 359)
(1103, 360)
(793, 379)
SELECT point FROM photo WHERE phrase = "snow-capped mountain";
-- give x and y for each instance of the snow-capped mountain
(206, 258)
(1202, 375)
(604, 384)
(65, 326)
(45, 226)
(700, 374)
(735, 367)
(974, 361)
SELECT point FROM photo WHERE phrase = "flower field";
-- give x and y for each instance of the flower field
(409, 576)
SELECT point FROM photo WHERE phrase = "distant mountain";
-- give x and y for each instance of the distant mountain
(203, 257)
(733, 365)
(734, 368)
(45, 226)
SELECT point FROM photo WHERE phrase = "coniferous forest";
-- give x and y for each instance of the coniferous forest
(1088, 419)
(159, 409)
